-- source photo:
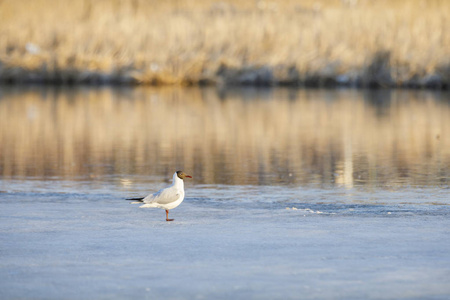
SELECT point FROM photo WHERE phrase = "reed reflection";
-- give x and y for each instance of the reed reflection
(249, 136)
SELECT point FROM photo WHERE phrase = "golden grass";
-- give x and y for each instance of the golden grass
(351, 42)
(147, 131)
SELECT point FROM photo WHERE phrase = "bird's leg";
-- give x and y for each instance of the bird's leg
(167, 216)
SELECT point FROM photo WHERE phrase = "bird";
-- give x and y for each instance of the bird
(167, 198)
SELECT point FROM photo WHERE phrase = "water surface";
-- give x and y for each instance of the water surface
(247, 136)
(311, 194)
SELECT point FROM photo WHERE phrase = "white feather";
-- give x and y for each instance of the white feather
(167, 198)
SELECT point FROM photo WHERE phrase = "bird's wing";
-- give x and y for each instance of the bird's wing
(165, 196)
(150, 198)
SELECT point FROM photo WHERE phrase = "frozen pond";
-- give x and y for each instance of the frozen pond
(340, 195)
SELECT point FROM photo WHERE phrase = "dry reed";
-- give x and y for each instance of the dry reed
(347, 42)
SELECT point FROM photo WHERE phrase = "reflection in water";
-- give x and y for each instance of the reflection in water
(245, 136)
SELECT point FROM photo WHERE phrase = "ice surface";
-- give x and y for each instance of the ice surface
(75, 240)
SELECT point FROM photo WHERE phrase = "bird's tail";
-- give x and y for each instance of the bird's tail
(149, 205)
(136, 199)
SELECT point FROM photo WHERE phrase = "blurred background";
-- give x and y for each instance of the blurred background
(286, 42)
(70, 108)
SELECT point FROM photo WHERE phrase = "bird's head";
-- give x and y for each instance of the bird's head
(182, 175)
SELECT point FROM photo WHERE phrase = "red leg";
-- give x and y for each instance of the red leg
(167, 216)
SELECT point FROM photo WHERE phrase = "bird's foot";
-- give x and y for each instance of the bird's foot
(168, 220)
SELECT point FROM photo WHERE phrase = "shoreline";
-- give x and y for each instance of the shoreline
(247, 76)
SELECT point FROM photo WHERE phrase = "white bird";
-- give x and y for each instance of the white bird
(167, 198)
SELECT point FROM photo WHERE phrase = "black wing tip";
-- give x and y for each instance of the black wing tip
(136, 199)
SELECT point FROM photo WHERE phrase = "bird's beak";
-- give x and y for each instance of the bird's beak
(188, 176)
